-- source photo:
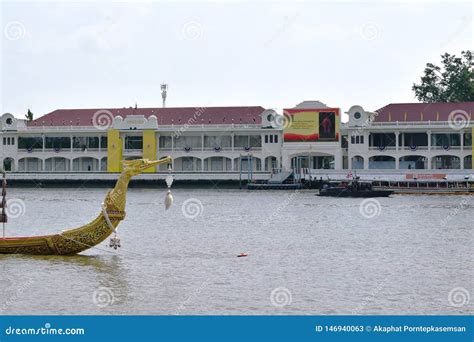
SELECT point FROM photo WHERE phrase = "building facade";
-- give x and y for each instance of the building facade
(217, 139)
(232, 140)
(411, 136)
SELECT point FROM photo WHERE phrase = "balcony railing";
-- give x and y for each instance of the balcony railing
(207, 126)
(415, 123)
(385, 148)
(208, 149)
(88, 149)
(132, 151)
(445, 147)
(214, 149)
(61, 150)
(417, 148)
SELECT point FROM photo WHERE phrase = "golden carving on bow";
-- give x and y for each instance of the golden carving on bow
(76, 240)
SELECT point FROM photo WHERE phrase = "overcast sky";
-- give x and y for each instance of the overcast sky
(101, 54)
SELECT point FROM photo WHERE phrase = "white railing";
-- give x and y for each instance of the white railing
(61, 150)
(418, 148)
(201, 126)
(208, 149)
(449, 148)
(184, 125)
(221, 149)
(132, 151)
(415, 123)
(87, 149)
(386, 148)
(63, 128)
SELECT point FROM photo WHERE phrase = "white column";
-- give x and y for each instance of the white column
(429, 140)
(338, 159)
(286, 162)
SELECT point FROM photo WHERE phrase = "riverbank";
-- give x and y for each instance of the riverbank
(104, 179)
(450, 184)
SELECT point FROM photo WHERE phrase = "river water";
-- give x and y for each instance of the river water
(306, 255)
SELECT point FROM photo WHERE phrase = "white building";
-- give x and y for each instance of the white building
(208, 139)
(411, 136)
(223, 142)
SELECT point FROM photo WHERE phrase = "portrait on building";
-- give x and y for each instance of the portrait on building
(327, 125)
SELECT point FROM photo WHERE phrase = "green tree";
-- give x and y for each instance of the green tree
(453, 82)
(29, 115)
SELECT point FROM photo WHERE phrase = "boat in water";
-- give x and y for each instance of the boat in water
(353, 188)
(76, 240)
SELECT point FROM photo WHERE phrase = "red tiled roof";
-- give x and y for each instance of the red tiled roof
(166, 116)
(422, 111)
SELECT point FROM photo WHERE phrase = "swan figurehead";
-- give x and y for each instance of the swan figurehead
(137, 166)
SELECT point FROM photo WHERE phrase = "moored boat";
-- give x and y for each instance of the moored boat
(354, 188)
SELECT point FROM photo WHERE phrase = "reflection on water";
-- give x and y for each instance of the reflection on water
(36, 278)
(306, 255)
